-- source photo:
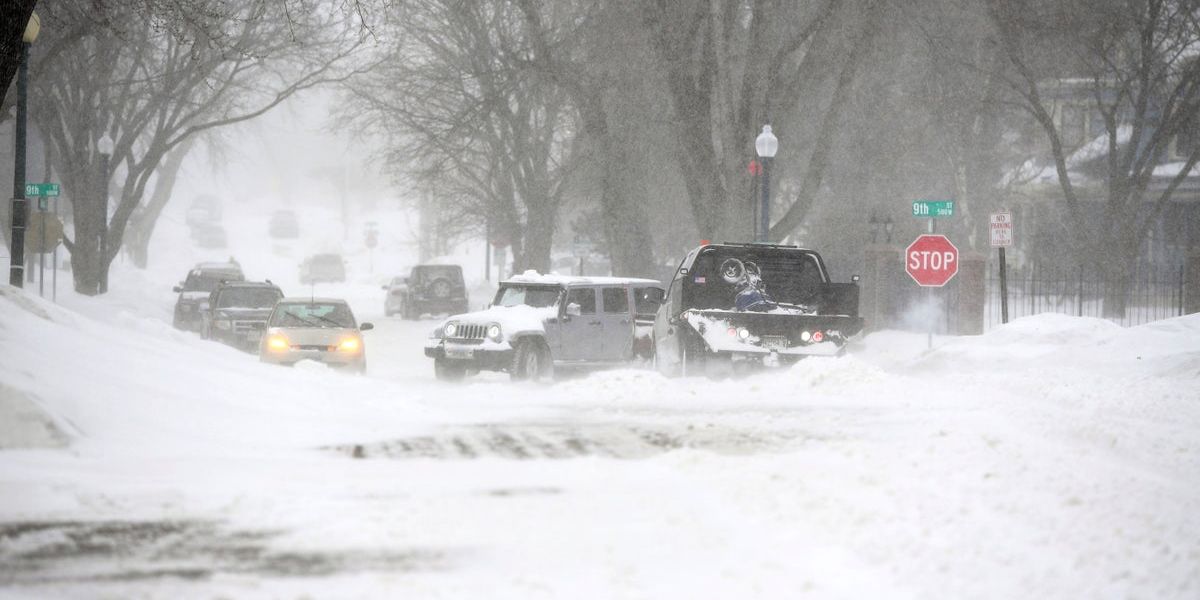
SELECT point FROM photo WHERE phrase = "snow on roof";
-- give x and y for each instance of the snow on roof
(1172, 169)
(532, 276)
(217, 266)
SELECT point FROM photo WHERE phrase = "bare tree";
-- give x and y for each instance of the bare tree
(470, 122)
(112, 68)
(1136, 62)
(730, 68)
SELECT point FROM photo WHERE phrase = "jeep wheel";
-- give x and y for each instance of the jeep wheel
(447, 370)
(531, 362)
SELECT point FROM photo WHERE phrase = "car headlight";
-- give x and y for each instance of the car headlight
(805, 336)
(350, 344)
(743, 333)
(493, 332)
(277, 343)
(223, 324)
(450, 329)
(188, 308)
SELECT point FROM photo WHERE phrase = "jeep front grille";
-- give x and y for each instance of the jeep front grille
(469, 332)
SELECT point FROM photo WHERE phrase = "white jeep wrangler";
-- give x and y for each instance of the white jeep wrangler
(539, 322)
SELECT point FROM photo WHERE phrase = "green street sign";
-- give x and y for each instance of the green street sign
(933, 208)
(33, 190)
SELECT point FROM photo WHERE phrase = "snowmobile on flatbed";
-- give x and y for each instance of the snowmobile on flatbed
(733, 305)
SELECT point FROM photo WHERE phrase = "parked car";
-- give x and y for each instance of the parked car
(284, 225)
(539, 322)
(737, 305)
(323, 268)
(429, 289)
(238, 311)
(195, 290)
(320, 329)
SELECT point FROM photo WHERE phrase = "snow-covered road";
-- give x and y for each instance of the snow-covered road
(1052, 458)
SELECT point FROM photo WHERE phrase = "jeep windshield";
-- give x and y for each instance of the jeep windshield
(785, 276)
(248, 298)
(316, 315)
(537, 296)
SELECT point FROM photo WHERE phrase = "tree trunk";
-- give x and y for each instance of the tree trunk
(137, 239)
(629, 241)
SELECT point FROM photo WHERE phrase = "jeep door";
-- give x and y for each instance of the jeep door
(579, 335)
(616, 321)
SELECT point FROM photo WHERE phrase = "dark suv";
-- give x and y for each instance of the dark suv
(238, 311)
(195, 290)
(434, 289)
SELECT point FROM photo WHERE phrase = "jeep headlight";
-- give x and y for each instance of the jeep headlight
(450, 329)
(493, 332)
(224, 324)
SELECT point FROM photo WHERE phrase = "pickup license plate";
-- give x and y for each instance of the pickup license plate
(459, 352)
(774, 342)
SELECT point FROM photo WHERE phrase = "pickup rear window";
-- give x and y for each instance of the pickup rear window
(787, 276)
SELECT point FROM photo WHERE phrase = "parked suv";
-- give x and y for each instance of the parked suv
(238, 311)
(195, 290)
(320, 268)
(732, 306)
(433, 289)
(538, 322)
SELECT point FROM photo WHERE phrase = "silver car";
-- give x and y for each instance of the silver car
(320, 329)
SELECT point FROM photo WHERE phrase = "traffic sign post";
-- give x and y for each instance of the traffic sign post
(43, 192)
(931, 260)
(1000, 226)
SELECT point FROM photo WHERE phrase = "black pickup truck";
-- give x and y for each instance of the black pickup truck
(734, 305)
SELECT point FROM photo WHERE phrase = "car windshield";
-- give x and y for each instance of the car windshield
(208, 281)
(327, 260)
(432, 272)
(318, 314)
(783, 276)
(528, 295)
(253, 297)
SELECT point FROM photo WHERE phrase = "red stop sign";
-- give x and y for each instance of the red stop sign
(931, 260)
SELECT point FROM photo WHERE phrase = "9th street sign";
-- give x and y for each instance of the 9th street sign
(933, 208)
(34, 190)
(931, 260)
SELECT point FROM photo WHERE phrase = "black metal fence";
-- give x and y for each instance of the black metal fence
(1154, 294)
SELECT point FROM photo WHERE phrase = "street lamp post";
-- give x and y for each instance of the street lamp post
(765, 145)
(20, 215)
(105, 147)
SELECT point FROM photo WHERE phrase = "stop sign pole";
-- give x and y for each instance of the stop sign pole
(931, 260)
